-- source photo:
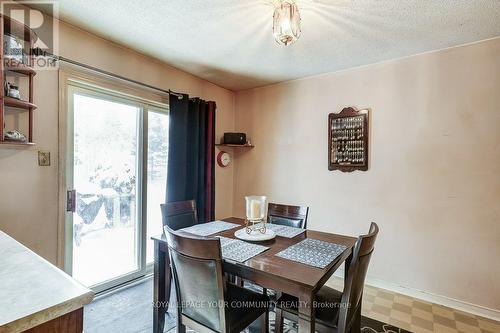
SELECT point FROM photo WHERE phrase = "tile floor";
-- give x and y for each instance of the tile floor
(419, 316)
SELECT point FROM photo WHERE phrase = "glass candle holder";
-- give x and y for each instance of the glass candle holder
(256, 207)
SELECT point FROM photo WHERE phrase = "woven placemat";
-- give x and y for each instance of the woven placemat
(210, 228)
(238, 250)
(284, 230)
(313, 252)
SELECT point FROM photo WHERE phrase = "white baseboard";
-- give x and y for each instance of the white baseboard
(432, 298)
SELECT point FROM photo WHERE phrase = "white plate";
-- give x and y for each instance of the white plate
(254, 236)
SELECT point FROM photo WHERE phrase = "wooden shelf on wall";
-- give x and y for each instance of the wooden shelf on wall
(16, 28)
(13, 65)
(15, 144)
(235, 146)
(17, 103)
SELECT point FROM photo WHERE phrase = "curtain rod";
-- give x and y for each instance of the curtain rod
(39, 52)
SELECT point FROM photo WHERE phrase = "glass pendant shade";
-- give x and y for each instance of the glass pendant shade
(286, 22)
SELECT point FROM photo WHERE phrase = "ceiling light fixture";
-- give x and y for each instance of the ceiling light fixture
(286, 22)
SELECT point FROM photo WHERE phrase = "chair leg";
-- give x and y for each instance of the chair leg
(356, 324)
(278, 323)
(168, 288)
(181, 328)
(264, 322)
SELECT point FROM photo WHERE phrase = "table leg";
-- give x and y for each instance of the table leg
(306, 313)
(161, 288)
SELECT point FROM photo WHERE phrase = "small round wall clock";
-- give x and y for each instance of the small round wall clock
(223, 159)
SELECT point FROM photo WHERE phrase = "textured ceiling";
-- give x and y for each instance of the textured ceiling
(230, 43)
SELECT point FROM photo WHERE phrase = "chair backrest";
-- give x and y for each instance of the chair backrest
(179, 214)
(292, 216)
(199, 281)
(355, 281)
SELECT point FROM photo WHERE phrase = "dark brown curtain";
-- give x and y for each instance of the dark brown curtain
(191, 149)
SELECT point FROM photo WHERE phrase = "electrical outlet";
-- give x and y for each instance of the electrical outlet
(43, 158)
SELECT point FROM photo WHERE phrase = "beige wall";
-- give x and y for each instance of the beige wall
(433, 185)
(29, 193)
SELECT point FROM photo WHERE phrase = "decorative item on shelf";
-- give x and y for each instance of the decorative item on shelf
(13, 48)
(15, 136)
(12, 91)
(256, 206)
(348, 140)
(286, 22)
(234, 138)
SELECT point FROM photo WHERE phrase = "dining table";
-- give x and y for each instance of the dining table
(265, 269)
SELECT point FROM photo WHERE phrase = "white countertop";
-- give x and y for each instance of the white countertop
(32, 290)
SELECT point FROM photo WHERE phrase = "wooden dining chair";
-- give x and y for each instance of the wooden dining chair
(179, 214)
(206, 302)
(176, 215)
(341, 312)
(292, 216)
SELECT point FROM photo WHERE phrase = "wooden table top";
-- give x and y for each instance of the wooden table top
(272, 266)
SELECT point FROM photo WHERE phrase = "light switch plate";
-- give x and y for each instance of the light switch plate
(43, 158)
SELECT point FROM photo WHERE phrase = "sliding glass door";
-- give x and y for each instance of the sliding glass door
(117, 162)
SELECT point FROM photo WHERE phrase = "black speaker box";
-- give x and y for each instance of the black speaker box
(235, 138)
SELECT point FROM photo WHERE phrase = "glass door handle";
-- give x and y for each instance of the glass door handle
(71, 201)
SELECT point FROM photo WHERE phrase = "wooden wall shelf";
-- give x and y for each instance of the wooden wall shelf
(16, 145)
(234, 146)
(22, 31)
(14, 67)
(17, 103)
(18, 67)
